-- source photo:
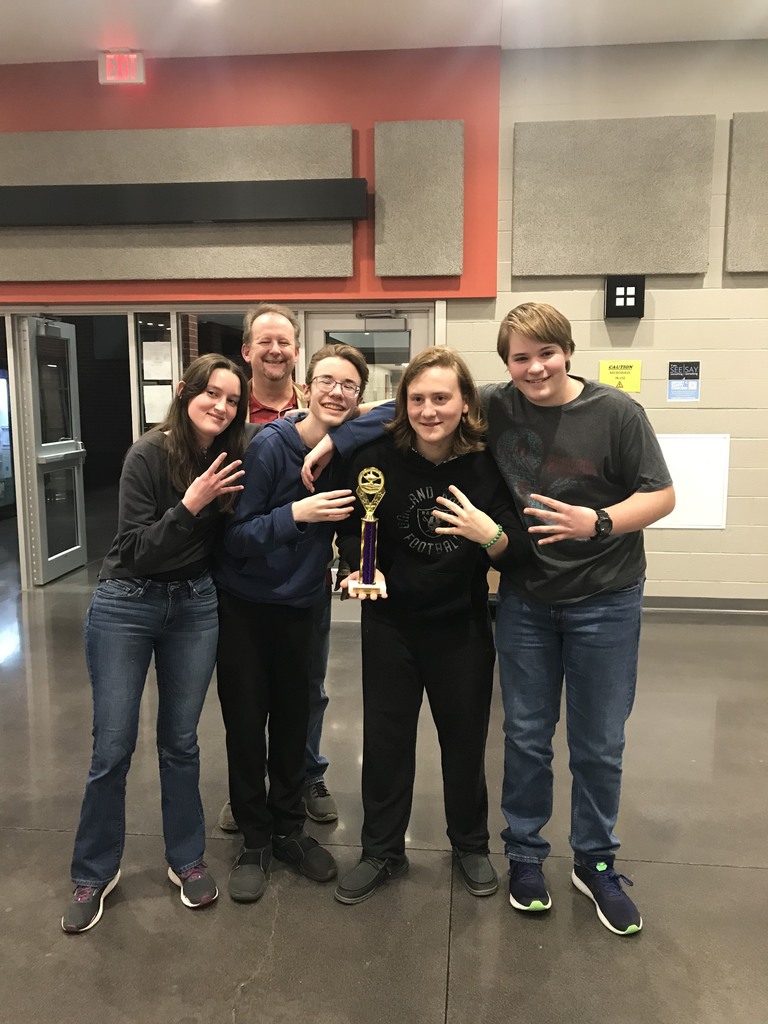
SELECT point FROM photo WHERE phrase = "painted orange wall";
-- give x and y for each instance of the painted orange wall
(350, 88)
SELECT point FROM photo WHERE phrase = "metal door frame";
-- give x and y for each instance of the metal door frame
(430, 316)
(33, 459)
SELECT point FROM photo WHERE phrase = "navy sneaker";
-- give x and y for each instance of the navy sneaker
(527, 888)
(602, 884)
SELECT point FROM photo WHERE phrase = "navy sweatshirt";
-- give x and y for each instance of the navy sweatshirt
(266, 556)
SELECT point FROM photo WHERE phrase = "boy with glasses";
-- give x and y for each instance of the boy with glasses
(270, 575)
(271, 337)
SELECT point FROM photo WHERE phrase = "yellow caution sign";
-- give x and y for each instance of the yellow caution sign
(626, 375)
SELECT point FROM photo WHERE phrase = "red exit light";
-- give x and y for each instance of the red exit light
(121, 67)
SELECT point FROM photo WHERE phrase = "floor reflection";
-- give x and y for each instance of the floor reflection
(694, 827)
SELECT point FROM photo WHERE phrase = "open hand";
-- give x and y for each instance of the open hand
(354, 577)
(463, 519)
(325, 507)
(217, 480)
(315, 462)
(560, 520)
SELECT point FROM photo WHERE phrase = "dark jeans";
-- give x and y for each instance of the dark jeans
(592, 645)
(127, 622)
(453, 662)
(263, 679)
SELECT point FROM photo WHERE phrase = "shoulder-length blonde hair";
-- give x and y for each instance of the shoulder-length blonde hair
(470, 433)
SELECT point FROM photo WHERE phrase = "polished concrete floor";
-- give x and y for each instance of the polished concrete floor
(694, 825)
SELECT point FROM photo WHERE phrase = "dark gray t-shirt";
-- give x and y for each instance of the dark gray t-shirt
(596, 451)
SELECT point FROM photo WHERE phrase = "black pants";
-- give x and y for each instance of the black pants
(453, 661)
(263, 681)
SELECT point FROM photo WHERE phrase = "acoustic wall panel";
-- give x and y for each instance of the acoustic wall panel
(419, 198)
(189, 252)
(176, 154)
(628, 196)
(746, 235)
(281, 250)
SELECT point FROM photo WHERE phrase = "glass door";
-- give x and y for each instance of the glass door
(50, 480)
(388, 338)
(7, 489)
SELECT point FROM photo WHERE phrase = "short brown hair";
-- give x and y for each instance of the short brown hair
(540, 322)
(469, 436)
(269, 307)
(339, 351)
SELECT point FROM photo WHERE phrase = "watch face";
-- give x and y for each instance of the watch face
(604, 524)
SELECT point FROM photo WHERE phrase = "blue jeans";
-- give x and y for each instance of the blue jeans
(315, 763)
(593, 644)
(127, 621)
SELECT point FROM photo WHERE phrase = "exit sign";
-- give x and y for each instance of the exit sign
(121, 67)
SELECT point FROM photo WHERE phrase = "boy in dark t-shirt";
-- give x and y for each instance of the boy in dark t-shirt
(587, 475)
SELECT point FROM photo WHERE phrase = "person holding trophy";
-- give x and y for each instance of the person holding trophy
(270, 574)
(437, 514)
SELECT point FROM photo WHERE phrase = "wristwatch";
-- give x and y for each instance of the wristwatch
(603, 526)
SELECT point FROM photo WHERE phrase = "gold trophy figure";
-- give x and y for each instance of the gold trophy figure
(370, 491)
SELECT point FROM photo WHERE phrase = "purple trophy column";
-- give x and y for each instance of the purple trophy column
(368, 551)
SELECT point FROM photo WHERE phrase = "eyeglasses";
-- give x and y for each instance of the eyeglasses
(326, 383)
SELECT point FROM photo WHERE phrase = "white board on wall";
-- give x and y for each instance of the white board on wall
(698, 465)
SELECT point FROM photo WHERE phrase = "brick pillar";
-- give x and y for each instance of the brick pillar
(188, 328)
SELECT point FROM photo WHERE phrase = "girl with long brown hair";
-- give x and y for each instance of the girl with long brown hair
(156, 598)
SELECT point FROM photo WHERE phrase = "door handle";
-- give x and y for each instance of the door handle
(74, 457)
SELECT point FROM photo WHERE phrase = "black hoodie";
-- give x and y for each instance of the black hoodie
(431, 575)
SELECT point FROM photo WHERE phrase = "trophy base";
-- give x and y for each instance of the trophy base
(355, 587)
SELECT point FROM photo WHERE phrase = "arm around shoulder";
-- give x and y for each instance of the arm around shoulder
(354, 433)
(347, 438)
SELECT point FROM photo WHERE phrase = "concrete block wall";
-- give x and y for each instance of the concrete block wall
(718, 318)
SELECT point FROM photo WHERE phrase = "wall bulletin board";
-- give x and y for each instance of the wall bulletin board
(698, 464)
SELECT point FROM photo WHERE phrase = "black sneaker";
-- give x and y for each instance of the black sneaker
(198, 888)
(319, 803)
(477, 873)
(306, 855)
(527, 888)
(86, 906)
(364, 879)
(248, 877)
(602, 884)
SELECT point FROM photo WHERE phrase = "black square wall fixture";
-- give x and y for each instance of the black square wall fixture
(624, 296)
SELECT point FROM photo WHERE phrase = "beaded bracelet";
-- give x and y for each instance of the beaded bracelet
(490, 543)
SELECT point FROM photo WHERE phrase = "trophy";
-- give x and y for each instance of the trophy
(370, 491)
